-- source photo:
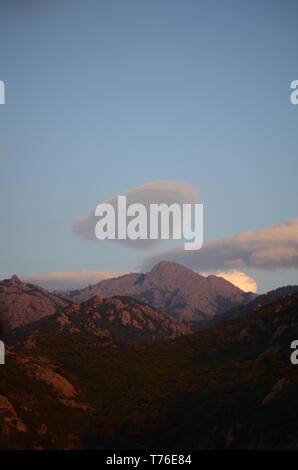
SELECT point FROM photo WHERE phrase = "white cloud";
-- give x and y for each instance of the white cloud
(69, 280)
(268, 248)
(238, 278)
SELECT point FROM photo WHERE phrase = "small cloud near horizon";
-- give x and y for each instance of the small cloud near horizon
(69, 280)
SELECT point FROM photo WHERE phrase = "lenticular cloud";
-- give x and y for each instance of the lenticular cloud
(156, 192)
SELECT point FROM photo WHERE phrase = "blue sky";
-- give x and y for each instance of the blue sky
(102, 96)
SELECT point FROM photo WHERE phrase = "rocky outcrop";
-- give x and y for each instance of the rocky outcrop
(276, 390)
(11, 423)
(117, 319)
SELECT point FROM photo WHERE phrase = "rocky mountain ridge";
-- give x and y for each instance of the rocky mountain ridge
(172, 288)
(121, 319)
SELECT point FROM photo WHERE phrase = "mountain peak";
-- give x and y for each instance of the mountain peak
(174, 289)
(164, 267)
(23, 303)
(15, 279)
(168, 264)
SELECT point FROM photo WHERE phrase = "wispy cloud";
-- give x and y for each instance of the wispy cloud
(155, 192)
(69, 280)
(266, 248)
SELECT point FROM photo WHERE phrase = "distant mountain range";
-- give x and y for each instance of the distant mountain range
(230, 386)
(172, 288)
(155, 305)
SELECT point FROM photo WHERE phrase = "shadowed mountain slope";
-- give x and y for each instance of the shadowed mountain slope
(231, 386)
(259, 301)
